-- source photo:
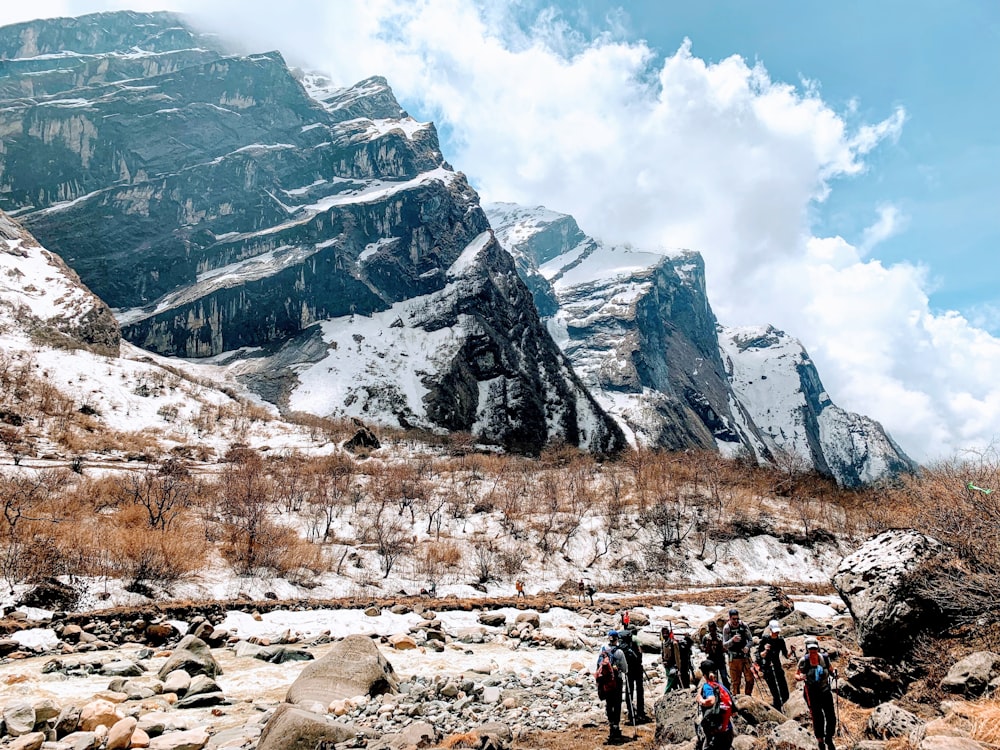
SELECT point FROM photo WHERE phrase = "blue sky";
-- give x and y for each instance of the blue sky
(937, 60)
(834, 163)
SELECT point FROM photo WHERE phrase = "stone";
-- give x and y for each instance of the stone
(98, 713)
(419, 734)
(202, 684)
(30, 741)
(201, 700)
(799, 623)
(758, 608)
(177, 682)
(159, 633)
(292, 728)
(756, 711)
(81, 740)
(120, 734)
(192, 739)
(675, 715)
(19, 718)
(528, 618)
(887, 615)
(354, 666)
(971, 676)
(492, 619)
(139, 738)
(193, 656)
(363, 439)
(45, 709)
(373, 612)
(402, 641)
(491, 694)
(122, 668)
(68, 720)
(889, 721)
(868, 681)
(791, 736)
(939, 742)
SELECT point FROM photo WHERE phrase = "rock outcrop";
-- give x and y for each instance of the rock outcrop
(887, 614)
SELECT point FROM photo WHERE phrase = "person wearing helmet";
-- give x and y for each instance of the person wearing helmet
(769, 652)
(814, 674)
(611, 674)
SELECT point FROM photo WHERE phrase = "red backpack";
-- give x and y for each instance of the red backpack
(715, 718)
(605, 676)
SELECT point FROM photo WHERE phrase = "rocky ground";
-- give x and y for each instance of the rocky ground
(413, 673)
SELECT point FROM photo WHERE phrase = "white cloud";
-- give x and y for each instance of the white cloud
(670, 151)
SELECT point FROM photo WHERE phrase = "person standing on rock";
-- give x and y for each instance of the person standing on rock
(814, 674)
(635, 687)
(519, 586)
(670, 653)
(712, 645)
(738, 639)
(591, 590)
(769, 652)
(611, 674)
(580, 587)
(715, 730)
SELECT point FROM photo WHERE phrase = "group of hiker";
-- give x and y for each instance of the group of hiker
(733, 659)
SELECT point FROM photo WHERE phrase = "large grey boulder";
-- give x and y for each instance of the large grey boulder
(889, 721)
(791, 736)
(352, 667)
(756, 711)
(19, 718)
(292, 728)
(974, 674)
(871, 581)
(869, 681)
(675, 715)
(759, 607)
(193, 656)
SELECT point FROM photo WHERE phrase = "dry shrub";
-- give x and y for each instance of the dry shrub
(985, 717)
(143, 556)
(467, 739)
(277, 549)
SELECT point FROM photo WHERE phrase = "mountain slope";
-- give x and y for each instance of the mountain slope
(638, 327)
(224, 203)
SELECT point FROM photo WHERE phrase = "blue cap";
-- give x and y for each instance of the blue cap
(612, 634)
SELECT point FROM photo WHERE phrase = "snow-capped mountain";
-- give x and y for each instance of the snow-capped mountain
(223, 203)
(780, 388)
(638, 327)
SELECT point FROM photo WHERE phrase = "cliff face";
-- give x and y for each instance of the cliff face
(638, 328)
(223, 203)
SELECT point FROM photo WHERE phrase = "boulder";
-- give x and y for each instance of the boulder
(201, 684)
(45, 709)
(120, 735)
(364, 439)
(675, 715)
(402, 641)
(799, 623)
(282, 654)
(973, 675)
(528, 618)
(192, 739)
(418, 734)
(159, 633)
(201, 700)
(139, 738)
(756, 711)
(31, 741)
(177, 682)
(193, 656)
(99, 713)
(869, 681)
(50, 594)
(889, 721)
(68, 720)
(352, 667)
(791, 736)
(887, 614)
(950, 743)
(291, 728)
(758, 608)
(492, 619)
(19, 718)
(122, 668)
(81, 740)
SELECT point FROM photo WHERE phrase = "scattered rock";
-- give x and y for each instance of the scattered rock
(868, 681)
(192, 739)
(492, 619)
(974, 674)
(352, 667)
(32, 741)
(791, 736)
(292, 728)
(193, 656)
(675, 715)
(120, 735)
(19, 718)
(98, 713)
(889, 721)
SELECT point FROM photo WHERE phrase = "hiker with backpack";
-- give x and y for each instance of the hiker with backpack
(684, 646)
(610, 675)
(814, 673)
(769, 652)
(519, 587)
(715, 651)
(591, 590)
(737, 639)
(670, 653)
(715, 729)
(634, 686)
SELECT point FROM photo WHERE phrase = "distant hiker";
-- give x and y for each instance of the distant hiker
(684, 645)
(519, 585)
(814, 674)
(610, 675)
(711, 644)
(580, 589)
(625, 619)
(737, 639)
(590, 592)
(715, 730)
(769, 652)
(670, 653)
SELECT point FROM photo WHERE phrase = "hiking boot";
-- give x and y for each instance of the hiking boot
(642, 719)
(829, 744)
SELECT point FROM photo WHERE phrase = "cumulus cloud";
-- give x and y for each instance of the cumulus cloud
(666, 151)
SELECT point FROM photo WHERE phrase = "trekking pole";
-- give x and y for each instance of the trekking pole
(836, 705)
(631, 709)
